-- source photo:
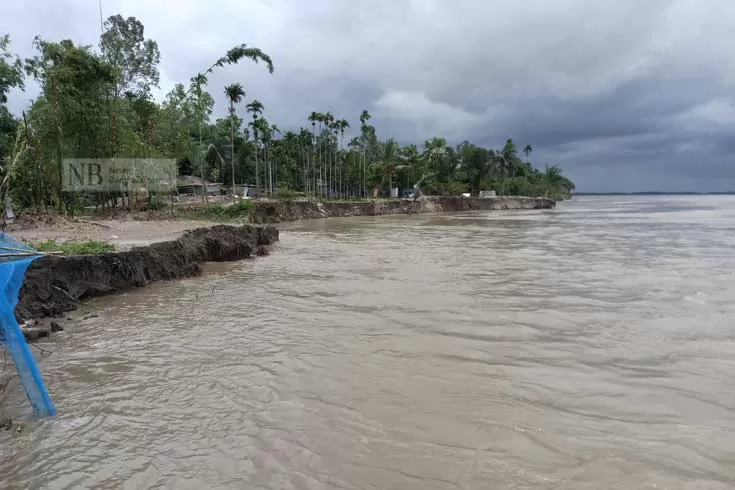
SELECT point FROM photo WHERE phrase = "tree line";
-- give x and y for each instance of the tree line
(96, 102)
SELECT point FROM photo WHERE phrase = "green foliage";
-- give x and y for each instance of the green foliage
(11, 69)
(456, 188)
(286, 194)
(133, 58)
(218, 212)
(90, 247)
(97, 103)
(8, 127)
(157, 203)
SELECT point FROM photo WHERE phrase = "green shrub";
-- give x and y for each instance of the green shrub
(286, 194)
(239, 209)
(156, 203)
(455, 188)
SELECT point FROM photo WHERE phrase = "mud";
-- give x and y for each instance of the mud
(282, 211)
(55, 285)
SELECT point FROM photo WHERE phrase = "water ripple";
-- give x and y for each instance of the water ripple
(586, 347)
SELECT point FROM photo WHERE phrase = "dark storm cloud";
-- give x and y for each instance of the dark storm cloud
(624, 94)
(632, 108)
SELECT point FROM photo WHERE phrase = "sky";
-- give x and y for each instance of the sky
(624, 95)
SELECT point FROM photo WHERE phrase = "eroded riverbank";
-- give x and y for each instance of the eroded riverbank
(54, 285)
(284, 211)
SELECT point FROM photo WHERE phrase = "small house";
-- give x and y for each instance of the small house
(190, 184)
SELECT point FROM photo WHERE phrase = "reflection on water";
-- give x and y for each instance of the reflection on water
(587, 347)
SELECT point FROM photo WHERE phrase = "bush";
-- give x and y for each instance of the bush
(455, 188)
(238, 209)
(286, 194)
(157, 203)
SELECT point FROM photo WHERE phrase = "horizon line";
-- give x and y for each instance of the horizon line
(621, 193)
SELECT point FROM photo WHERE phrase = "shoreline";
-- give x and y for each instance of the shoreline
(166, 249)
(270, 212)
(55, 285)
(154, 250)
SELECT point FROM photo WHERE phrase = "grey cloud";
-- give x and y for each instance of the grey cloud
(624, 94)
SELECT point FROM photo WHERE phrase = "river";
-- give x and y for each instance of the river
(587, 347)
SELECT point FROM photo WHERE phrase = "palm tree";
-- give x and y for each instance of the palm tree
(328, 170)
(272, 170)
(334, 148)
(256, 109)
(342, 124)
(264, 129)
(304, 137)
(527, 150)
(354, 146)
(390, 154)
(507, 161)
(321, 172)
(314, 117)
(409, 156)
(235, 94)
(552, 176)
(364, 118)
(434, 150)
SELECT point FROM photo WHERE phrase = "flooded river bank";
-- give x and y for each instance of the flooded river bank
(590, 346)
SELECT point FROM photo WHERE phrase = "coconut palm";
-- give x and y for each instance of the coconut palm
(434, 151)
(507, 162)
(554, 180)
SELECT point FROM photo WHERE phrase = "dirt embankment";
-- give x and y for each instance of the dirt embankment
(124, 233)
(54, 285)
(281, 211)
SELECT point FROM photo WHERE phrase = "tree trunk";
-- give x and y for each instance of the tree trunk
(257, 169)
(232, 147)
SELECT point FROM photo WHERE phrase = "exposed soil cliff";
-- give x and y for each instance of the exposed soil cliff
(280, 211)
(54, 285)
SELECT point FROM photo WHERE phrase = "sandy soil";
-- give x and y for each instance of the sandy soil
(124, 234)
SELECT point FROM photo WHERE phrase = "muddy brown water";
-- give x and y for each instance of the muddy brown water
(587, 347)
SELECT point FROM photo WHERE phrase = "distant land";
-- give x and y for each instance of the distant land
(654, 193)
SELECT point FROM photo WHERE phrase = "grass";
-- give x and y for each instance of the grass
(244, 209)
(355, 200)
(89, 247)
